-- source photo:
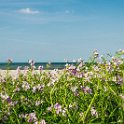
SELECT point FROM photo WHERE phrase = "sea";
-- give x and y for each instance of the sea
(46, 65)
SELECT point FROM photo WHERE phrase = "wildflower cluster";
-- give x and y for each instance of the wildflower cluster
(88, 92)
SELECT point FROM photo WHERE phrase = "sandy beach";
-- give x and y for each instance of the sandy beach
(13, 73)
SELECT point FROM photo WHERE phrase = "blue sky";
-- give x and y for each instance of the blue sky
(54, 30)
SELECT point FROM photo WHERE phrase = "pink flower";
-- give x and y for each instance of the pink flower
(86, 89)
(25, 85)
(32, 117)
(58, 108)
(40, 68)
(8, 100)
(122, 96)
(18, 69)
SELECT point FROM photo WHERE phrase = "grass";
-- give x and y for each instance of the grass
(88, 93)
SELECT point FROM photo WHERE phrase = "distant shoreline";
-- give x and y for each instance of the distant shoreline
(46, 65)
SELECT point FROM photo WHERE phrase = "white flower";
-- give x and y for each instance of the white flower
(122, 96)
(81, 114)
(38, 87)
(21, 115)
(49, 108)
(80, 60)
(95, 53)
(64, 112)
(40, 68)
(94, 112)
(37, 103)
(34, 89)
(67, 65)
(4, 96)
(36, 122)
(25, 86)
(31, 62)
(17, 89)
(72, 67)
(18, 69)
(70, 105)
(74, 88)
(114, 79)
(43, 122)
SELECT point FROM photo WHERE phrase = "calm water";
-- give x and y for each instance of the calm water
(55, 65)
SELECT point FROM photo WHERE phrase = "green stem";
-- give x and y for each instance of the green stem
(51, 101)
(89, 107)
(16, 116)
(67, 107)
(111, 89)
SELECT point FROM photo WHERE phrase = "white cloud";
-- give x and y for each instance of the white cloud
(28, 11)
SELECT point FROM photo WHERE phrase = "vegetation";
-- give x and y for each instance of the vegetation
(84, 93)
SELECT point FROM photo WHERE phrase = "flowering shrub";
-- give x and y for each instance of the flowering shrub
(84, 93)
